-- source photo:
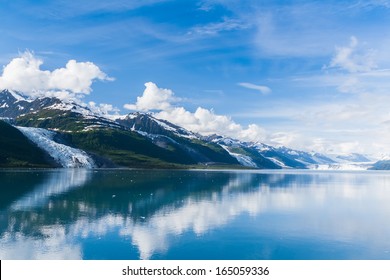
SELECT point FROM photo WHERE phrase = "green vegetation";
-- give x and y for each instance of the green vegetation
(16, 150)
(52, 119)
(112, 145)
(126, 148)
(206, 152)
(61, 120)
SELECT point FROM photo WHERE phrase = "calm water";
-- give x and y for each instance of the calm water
(141, 214)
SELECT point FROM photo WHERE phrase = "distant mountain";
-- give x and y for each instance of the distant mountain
(245, 153)
(354, 157)
(271, 157)
(70, 134)
(381, 165)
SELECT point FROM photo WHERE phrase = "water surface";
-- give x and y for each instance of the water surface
(165, 214)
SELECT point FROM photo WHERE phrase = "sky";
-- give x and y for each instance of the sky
(310, 75)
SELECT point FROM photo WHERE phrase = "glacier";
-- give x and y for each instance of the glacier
(343, 166)
(244, 160)
(64, 155)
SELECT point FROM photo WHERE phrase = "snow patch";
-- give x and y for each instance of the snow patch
(261, 147)
(293, 153)
(145, 134)
(17, 96)
(66, 156)
(73, 108)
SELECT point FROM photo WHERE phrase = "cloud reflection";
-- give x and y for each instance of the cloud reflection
(332, 206)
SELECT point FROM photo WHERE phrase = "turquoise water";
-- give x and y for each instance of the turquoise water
(157, 214)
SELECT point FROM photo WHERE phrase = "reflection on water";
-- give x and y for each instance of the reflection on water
(130, 214)
(55, 184)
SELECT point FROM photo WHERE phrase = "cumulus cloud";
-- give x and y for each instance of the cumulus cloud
(104, 109)
(24, 74)
(261, 89)
(153, 98)
(203, 121)
(207, 122)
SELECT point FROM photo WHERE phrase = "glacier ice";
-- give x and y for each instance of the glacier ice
(64, 155)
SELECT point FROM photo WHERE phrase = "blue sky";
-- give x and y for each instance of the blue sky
(311, 75)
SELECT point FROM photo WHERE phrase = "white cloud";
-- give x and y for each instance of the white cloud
(354, 69)
(353, 59)
(340, 123)
(153, 98)
(24, 74)
(261, 89)
(292, 30)
(66, 9)
(76, 77)
(206, 122)
(228, 24)
(371, 4)
(104, 109)
(203, 121)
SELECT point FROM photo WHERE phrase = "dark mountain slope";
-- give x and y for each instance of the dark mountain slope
(18, 151)
(127, 148)
(170, 136)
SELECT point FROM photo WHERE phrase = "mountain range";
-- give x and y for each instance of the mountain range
(50, 132)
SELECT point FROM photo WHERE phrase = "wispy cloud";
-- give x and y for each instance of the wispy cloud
(369, 4)
(261, 89)
(227, 24)
(355, 68)
(292, 30)
(347, 122)
(352, 59)
(63, 9)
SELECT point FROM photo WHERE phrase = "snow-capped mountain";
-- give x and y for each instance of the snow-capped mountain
(149, 125)
(354, 157)
(282, 157)
(167, 135)
(245, 153)
(136, 140)
(75, 135)
(50, 112)
(14, 104)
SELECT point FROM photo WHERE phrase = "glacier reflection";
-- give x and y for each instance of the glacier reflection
(58, 181)
(152, 209)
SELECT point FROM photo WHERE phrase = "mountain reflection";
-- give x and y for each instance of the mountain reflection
(151, 209)
(56, 183)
